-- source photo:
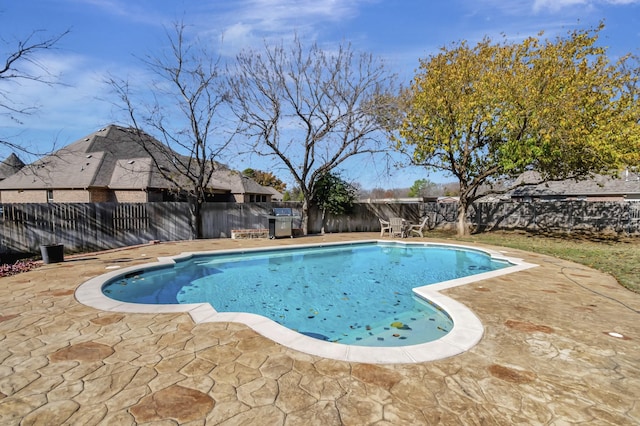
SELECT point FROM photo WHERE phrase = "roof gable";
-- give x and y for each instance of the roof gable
(62, 170)
(10, 166)
(128, 174)
(236, 182)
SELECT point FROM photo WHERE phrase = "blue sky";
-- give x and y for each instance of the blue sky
(108, 37)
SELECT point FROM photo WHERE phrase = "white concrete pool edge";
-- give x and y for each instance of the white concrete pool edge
(466, 332)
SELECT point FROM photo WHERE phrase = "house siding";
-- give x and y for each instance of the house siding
(108, 196)
(127, 196)
(71, 196)
(78, 196)
(30, 196)
(40, 196)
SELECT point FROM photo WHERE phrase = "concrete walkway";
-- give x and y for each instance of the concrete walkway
(547, 357)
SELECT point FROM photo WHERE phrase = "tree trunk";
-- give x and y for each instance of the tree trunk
(462, 227)
(305, 216)
(324, 216)
(195, 221)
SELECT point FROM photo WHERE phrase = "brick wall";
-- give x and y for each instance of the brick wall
(71, 196)
(101, 196)
(40, 196)
(29, 196)
(127, 196)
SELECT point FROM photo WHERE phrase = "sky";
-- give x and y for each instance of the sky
(109, 37)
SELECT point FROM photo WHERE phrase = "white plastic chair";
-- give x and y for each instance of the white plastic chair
(417, 229)
(397, 227)
(384, 226)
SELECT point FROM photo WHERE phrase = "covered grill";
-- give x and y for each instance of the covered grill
(281, 223)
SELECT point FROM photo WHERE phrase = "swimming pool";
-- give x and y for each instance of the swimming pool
(358, 295)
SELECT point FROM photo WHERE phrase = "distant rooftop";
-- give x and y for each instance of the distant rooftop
(10, 166)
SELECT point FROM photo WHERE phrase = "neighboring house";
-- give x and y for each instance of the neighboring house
(10, 166)
(442, 199)
(111, 166)
(241, 188)
(276, 195)
(624, 187)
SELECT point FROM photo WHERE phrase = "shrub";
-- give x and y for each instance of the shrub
(7, 270)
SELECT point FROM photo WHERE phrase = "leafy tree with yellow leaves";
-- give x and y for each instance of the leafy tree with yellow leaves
(265, 179)
(486, 114)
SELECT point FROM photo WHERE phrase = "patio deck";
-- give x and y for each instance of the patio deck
(545, 358)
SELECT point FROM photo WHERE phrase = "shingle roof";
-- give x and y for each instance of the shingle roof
(238, 183)
(113, 158)
(275, 194)
(10, 166)
(88, 162)
(134, 173)
(626, 183)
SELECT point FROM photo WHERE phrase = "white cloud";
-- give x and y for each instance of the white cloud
(250, 22)
(556, 5)
(525, 7)
(288, 11)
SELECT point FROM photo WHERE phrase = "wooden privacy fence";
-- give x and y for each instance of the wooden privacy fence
(219, 219)
(97, 226)
(621, 218)
(89, 226)
(364, 217)
(86, 227)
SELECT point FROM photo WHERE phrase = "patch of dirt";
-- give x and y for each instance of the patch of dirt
(511, 375)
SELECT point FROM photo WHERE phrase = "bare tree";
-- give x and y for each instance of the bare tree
(19, 62)
(310, 109)
(186, 95)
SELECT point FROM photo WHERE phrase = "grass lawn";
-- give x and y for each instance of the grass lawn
(620, 258)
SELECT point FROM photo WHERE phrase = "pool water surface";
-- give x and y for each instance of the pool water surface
(356, 294)
(363, 301)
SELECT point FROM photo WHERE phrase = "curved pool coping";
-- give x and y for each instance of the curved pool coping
(466, 332)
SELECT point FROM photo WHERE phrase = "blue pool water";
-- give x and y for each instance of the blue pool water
(359, 294)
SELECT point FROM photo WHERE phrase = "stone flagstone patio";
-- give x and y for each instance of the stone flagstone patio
(561, 346)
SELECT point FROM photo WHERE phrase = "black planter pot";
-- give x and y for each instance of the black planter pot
(52, 253)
